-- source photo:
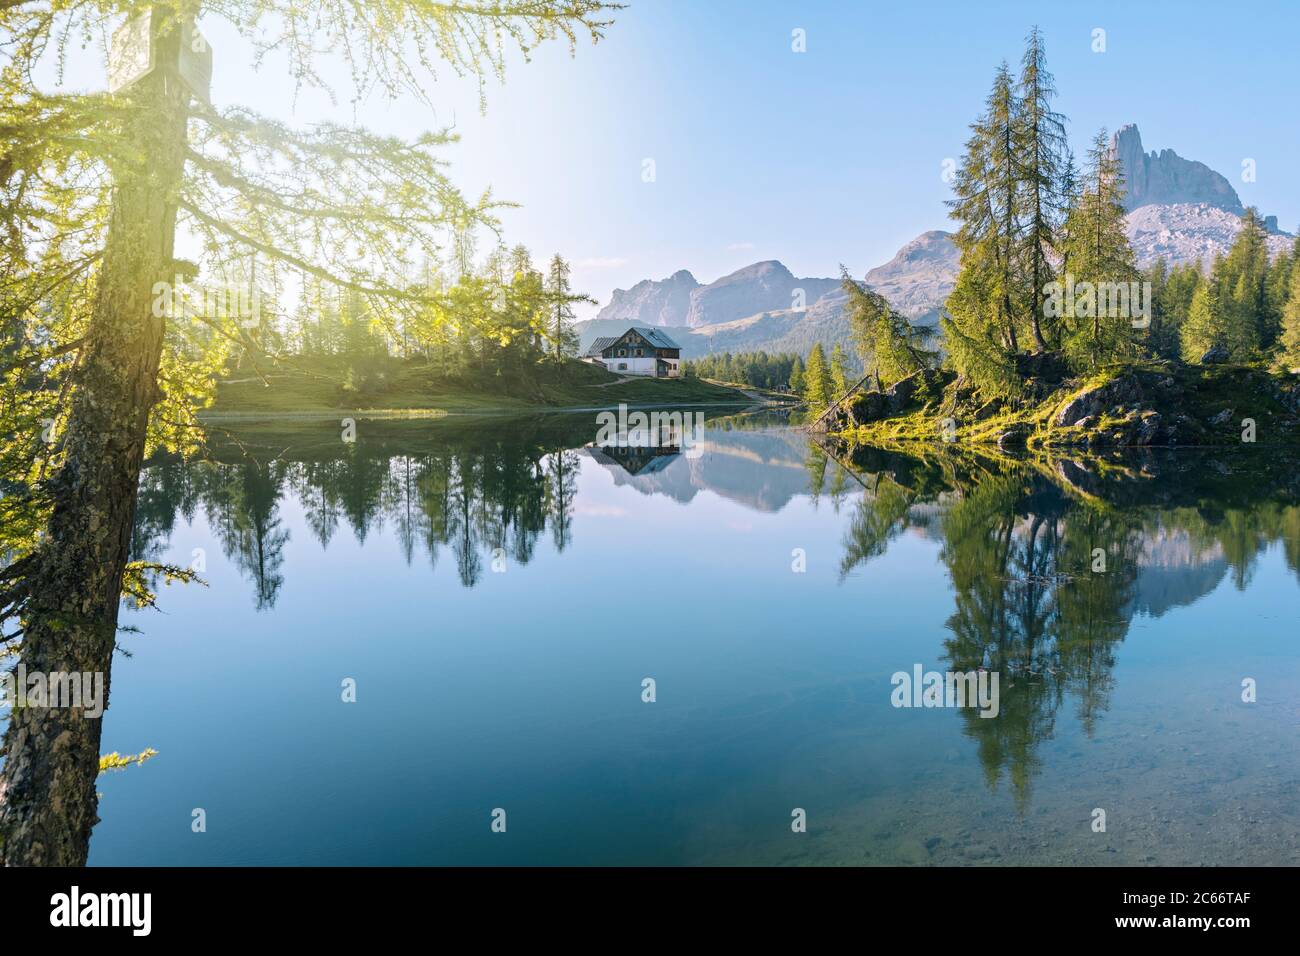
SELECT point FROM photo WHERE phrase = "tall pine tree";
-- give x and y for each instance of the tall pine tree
(839, 371)
(889, 346)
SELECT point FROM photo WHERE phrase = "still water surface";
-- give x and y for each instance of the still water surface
(498, 592)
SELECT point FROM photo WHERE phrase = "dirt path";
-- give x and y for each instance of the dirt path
(617, 381)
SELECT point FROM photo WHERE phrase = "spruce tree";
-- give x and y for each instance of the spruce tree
(1157, 277)
(1175, 303)
(1205, 326)
(561, 298)
(1234, 313)
(796, 376)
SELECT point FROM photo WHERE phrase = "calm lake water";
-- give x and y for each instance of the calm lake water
(498, 592)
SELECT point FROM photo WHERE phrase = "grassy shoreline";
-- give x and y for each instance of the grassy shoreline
(435, 414)
(323, 389)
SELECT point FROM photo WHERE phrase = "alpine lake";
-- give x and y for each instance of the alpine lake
(497, 640)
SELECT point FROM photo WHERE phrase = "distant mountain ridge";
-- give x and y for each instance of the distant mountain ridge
(1178, 209)
(762, 287)
(681, 301)
(757, 307)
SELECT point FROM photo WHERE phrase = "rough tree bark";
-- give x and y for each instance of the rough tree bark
(48, 801)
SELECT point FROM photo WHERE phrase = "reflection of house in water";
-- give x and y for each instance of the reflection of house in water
(761, 470)
(642, 443)
(634, 459)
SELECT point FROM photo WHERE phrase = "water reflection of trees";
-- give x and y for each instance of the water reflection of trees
(1020, 545)
(469, 503)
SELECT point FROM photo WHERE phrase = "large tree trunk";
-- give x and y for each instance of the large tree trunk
(48, 801)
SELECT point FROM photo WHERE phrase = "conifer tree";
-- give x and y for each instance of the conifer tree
(1173, 305)
(1157, 277)
(1243, 275)
(1277, 287)
(1205, 326)
(839, 368)
(1043, 169)
(817, 379)
(987, 306)
(889, 346)
(1094, 299)
(560, 295)
(1290, 339)
(796, 376)
(1233, 312)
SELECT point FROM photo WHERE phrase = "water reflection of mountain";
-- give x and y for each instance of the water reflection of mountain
(1171, 571)
(762, 470)
(1047, 577)
(1175, 572)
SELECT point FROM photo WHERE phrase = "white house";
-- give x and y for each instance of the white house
(638, 351)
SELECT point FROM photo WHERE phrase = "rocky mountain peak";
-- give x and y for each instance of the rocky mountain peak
(653, 302)
(1165, 177)
(765, 286)
(920, 276)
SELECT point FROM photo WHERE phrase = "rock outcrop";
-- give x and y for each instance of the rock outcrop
(870, 405)
(1092, 402)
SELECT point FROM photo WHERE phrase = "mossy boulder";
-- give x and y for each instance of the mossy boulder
(1093, 400)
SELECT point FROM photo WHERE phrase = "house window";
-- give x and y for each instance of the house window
(638, 353)
(622, 352)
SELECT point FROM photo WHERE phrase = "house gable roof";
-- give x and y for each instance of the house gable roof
(598, 346)
(656, 338)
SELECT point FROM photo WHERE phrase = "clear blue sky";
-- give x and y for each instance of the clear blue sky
(828, 156)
